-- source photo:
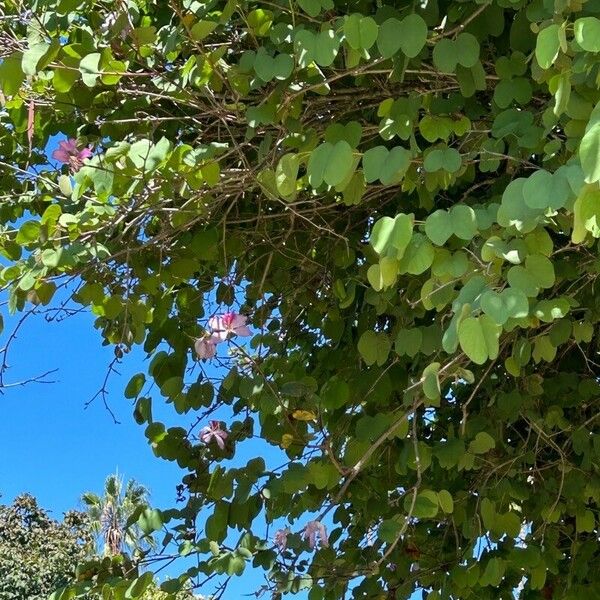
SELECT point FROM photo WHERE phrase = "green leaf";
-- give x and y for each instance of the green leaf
(11, 74)
(467, 50)
(412, 34)
(585, 521)
(589, 153)
(268, 67)
(202, 29)
(445, 501)
(438, 227)
(478, 338)
(431, 382)
(445, 55)
(360, 32)
(408, 341)
(389, 530)
(388, 40)
(29, 233)
(464, 221)
(542, 190)
(425, 506)
(448, 159)
(389, 166)
(330, 163)
(135, 385)
(392, 236)
(509, 303)
(384, 274)
(150, 520)
(31, 57)
(547, 46)
(374, 347)
(418, 256)
(587, 33)
(89, 67)
(286, 175)
(514, 210)
(482, 443)
(493, 573)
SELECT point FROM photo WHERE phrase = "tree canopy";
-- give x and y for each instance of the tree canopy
(401, 202)
(37, 553)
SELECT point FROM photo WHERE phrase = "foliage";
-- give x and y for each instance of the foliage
(110, 512)
(404, 200)
(37, 553)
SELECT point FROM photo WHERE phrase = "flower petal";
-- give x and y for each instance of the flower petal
(243, 331)
(61, 155)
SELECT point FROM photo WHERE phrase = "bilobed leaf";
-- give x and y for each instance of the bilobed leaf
(482, 443)
(339, 163)
(286, 174)
(478, 338)
(425, 505)
(412, 34)
(374, 347)
(388, 40)
(384, 274)
(360, 32)
(150, 520)
(392, 236)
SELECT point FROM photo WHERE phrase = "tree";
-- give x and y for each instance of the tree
(110, 513)
(400, 200)
(37, 553)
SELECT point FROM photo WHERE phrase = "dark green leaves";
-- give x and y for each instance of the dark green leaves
(360, 32)
(389, 166)
(464, 51)
(408, 35)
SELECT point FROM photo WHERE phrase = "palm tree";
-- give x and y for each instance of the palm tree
(109, 514)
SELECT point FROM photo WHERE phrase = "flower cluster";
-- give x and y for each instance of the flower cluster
(313, 532)
(69, 154)
(214, 432)
(222, 327)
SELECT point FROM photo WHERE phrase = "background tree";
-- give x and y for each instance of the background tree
(363, 234)
(110, 512)
(37, 553)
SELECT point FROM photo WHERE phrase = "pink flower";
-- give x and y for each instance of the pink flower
(68, 154)
(214, 432)
(314, 530)
(205, 348)
(230, 323)
(280, 538)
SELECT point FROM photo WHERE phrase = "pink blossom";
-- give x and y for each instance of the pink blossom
(314, 530)
(205, 348)
(214, 432)
(68, 154)
(280, 538)
(230, 323)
